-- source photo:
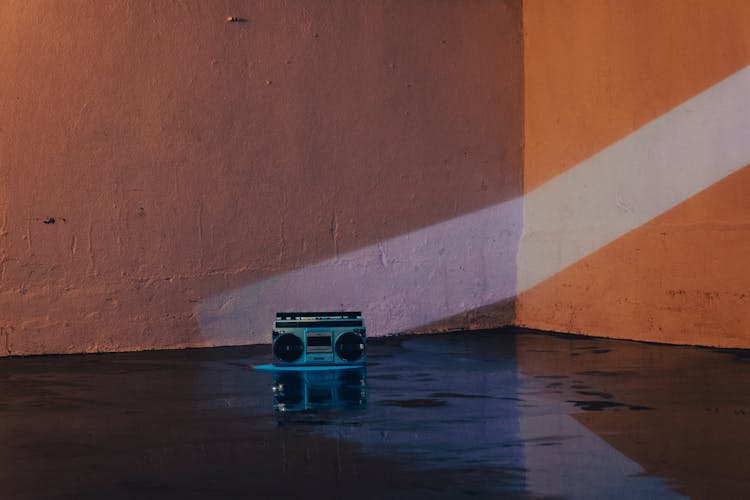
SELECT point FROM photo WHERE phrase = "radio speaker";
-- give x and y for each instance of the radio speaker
(349, 347)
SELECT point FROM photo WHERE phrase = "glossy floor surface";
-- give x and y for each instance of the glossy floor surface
(472, 415)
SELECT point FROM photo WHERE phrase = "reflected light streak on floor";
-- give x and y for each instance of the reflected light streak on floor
(491, 255)
(503, 414)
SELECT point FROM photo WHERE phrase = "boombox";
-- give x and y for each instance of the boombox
(319, 338)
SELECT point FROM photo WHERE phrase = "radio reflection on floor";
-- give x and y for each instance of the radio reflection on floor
(311, 390)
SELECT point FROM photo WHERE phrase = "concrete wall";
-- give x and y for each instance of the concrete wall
(637, 208)
(156, 161)
(171, 179)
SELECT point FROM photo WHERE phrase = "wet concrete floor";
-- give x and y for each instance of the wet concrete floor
(504, 414)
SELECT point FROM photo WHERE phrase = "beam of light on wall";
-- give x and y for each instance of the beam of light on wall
(471, 261)
(400, 283)
(636, 179)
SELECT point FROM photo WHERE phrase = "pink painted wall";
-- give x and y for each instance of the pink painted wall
(182, 156)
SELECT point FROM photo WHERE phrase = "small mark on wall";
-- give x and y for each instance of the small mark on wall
(52, 220)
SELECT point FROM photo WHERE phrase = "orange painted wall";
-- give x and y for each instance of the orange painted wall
(595, 72)
(181, 155)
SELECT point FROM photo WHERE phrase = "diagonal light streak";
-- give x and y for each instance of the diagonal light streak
(484, 257)
(400, 283)
(652, 170)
